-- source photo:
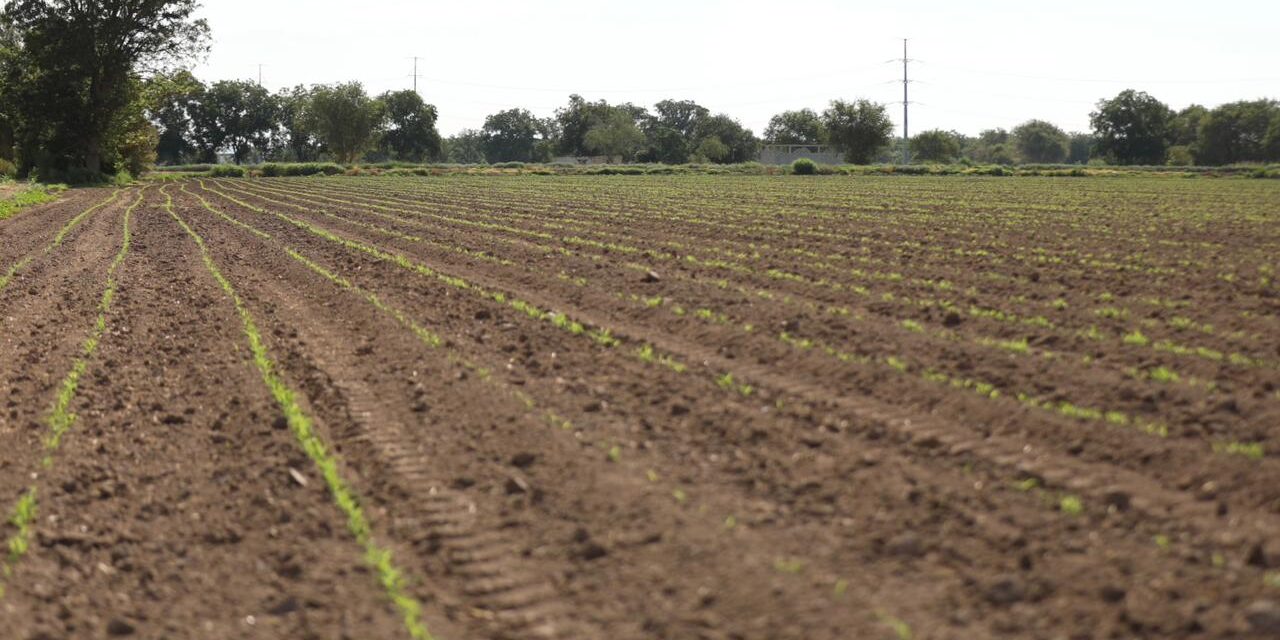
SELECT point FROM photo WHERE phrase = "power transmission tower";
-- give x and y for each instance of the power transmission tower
(415, 73)
(906, 102)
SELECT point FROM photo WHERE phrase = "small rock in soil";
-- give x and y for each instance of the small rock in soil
(288, 605)
(593, 551)
(1112, 594)
(516, 485)
(118, 627)
(905, 544)
(1263, 617)
(1006, 590)
(523, 460)
(650, 276)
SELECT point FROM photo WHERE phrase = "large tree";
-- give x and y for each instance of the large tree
(935, 145)
(1236, 132)
(298, 140)
(992, 146)
(410, 127)
(1081, 147)
(1132, 128)
(467, 147)
(722, 139)
(512, 136)
(237, 116)
(796, 127)
(616, 137)
(345, 120)
(803, 127)
(1184, 129)
(859, 129)
(671, 131)
(75, 77)
(171, 99)
(1041, 142)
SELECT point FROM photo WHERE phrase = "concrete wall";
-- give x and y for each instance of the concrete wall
(787, 153)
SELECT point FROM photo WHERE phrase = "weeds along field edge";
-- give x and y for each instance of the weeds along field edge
(390, 576)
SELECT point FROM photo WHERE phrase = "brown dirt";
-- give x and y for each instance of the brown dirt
(534, 483)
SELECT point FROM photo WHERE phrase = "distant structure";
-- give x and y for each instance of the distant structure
(788, 153)
(582, 160)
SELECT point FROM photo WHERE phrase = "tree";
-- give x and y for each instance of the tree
(1236, 132)
(512, 136)
(237, 116)
(1184, 129)
(859, 129)
(935, 146)
(467, 147)
(1271, 143)
(1132, 128)
(993, 146)
(297, 141)
(1040, 142)
(712, 149)
(617, 137)
(575, 120)
(1080, 147)
(410, 127)
(740, 143)
(75, 77)
(796, 127)
(345, 120)
(170, 100)
(671, 131)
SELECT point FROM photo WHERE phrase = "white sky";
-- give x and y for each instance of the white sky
(983, 63)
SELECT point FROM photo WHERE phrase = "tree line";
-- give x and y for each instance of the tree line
(95, 87)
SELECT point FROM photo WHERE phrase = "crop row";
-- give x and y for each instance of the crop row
(60, 419)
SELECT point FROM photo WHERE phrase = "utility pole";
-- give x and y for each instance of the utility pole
(415, 73)
(260, 65)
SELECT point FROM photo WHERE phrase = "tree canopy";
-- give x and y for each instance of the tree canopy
(72, 74)
(1041, 142)
(804, 126)
(858, 129)
(344, 118)
(1133, 128)
(935, 145)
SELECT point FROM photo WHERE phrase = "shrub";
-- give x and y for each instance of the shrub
(8, 169)
(227, 171)
(282, 169)
(804, 167)
(509, 165)
(1180, 156)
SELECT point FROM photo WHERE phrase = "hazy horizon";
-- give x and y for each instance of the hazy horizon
(979, 67)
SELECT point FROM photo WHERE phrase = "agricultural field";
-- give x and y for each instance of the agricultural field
(747, 407)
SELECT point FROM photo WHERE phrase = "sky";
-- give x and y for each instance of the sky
(976, 65)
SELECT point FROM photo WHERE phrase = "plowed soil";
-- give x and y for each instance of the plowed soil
(643, 407)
